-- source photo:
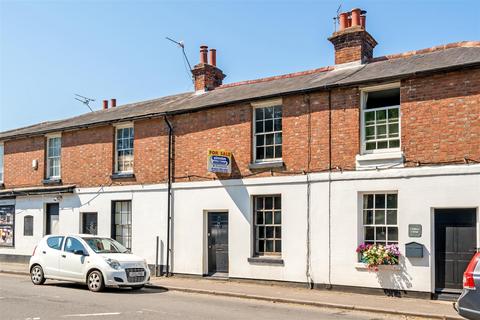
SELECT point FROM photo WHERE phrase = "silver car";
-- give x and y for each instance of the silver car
(468, 305)
(97, 261)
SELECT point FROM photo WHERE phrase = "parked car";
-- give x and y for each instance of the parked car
(468, 305)
(96, 261)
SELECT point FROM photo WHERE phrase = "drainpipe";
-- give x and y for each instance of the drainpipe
(311, 284)
(169, 192)
(329, 285)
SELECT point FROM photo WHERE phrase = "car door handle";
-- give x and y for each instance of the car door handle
(64, 256)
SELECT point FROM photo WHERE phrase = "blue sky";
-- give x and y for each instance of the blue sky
(50, 50)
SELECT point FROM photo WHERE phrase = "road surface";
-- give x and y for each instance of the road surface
(20, 299)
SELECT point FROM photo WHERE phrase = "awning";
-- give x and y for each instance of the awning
(33, 191)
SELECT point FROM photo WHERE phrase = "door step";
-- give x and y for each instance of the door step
(447, 296)
(219, 275)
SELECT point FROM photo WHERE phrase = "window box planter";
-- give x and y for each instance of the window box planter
(378, 256)
(383, 267)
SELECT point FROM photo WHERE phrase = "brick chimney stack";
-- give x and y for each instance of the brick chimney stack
(206, 74)
(352, 42)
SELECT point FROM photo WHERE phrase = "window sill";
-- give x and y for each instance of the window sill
(388, 159)
(117, 176)
(266, 165)
(266, 261)
(53, 181)
(392, 267)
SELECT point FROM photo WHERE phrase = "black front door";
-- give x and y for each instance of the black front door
(89, 223)
(455, 243)
(217, 242)
(52, 226)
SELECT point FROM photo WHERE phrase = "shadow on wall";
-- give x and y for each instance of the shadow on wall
(237, 193)
(395, 281)
(421, 262)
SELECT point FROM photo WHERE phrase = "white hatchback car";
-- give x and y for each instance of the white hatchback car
(96, 261)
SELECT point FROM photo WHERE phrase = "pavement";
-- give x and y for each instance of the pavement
(323, 299)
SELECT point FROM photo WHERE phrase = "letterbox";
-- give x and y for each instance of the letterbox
(414, 250)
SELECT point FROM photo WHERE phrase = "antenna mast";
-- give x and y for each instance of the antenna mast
(181, 45)
(86, 101)
(335, 19)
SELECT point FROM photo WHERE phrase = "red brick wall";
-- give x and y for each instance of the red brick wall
(87, 156)
(441, 117)
(18, 157)
(440, 122)
(345, 127)
(221, 128)
(151, 151)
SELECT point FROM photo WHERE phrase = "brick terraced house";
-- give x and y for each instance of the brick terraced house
(380, 150)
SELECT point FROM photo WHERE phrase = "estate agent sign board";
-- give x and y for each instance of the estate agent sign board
(219, 161)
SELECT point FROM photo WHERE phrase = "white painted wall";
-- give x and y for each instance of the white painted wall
(420, 191)
(148, 216)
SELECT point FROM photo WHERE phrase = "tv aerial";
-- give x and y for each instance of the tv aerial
(86, 101)
(181, 45)
(336, 19)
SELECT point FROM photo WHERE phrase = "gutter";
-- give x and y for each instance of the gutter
(286, 93)
(169, 192)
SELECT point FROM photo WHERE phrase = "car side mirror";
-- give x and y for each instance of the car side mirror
(80, 252)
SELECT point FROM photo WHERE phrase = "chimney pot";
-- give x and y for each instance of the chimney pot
(343, 20)
(363, 20)
(203, 54)
(213, 57)
(114, 103)
(105, 104)
(354, 44)
(356, 17)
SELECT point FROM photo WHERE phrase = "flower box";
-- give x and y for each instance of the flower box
(374, 256)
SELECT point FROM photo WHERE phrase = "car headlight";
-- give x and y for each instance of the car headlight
(114, 264)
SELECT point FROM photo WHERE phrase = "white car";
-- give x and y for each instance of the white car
(96, 261)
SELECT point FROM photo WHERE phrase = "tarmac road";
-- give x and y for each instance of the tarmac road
(20, 299)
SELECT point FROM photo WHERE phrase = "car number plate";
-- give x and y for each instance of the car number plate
(137, 274)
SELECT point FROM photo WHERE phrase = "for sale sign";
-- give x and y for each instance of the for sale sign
(219, 161)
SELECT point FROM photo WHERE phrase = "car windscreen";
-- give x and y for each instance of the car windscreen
(105, 245)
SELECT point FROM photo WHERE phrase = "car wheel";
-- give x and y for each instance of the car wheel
(37, 276)
(137, 287)
(95, 281)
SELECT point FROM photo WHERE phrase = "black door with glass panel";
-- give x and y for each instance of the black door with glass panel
(53, 218)
(217, 242)
(89, 223)
(455, 244)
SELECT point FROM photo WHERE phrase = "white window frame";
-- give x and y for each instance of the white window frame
(2, 162)
(362, 224)
(363, 99)
(47, 157)
(259, 105)
(124, 126)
